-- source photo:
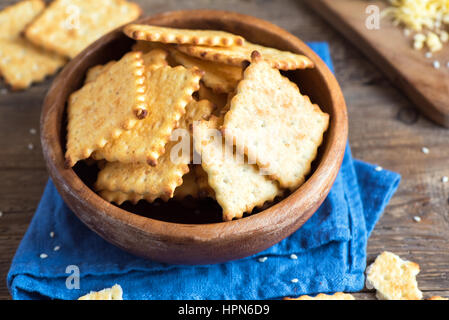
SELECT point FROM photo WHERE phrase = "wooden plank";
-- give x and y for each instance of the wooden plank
(390, 50)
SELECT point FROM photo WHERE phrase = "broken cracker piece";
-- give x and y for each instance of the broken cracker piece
(273, 124)
(182, 36)
(322, 296)
(238, 186)
(393, 278)
(67, 27)
(101, 110)
(15, 18)
(168, 91)
(114, 293)
(237, 56)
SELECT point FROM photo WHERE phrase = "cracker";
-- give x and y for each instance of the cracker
(168, 92)
(182, 36)
(322, 296)
(119, 197)
(202, 181)
(273, 124)
(114, 293)
(217, 76)
(218, 99)
(238, 56)
(67, 27)
(15, 18)
(94, 72)
(238, 186)
(22, 63)
(393, 278)
(101, 110)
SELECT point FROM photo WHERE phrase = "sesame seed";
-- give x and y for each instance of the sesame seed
(428, 55)
(294, 280)
(379, 168)
(30, 146)
(52, 234)
(425, 150)
(417, 219)
(293, 256)
(263, 259)
(33, 131)
(445, 179)
(436, 64)
(43, 256)
(56, 248)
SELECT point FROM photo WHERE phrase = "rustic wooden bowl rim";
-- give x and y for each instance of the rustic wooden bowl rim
(306, 196)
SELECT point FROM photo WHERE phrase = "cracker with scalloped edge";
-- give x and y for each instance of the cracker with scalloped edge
(219, 77)
(22, 63)
(322, 296)
(141, 181)
(274, 124)
(239, 56)
(393, 278)
(168, 91)
(114, 293)
(103, 109)
(182, 36)
(14, 18)
(67, 27)
(238, 186)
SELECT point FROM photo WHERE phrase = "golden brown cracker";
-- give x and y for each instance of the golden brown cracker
(237, 56)
(15, 18)
(393, 278)
(274, 125)
(168, 91)
(322, 296)
(217, 76)
(119, 197)
(182, 36)
(22, 63)
(101, 110)
(114, 293)
(238, 186)
(67, 27)
(95, 71)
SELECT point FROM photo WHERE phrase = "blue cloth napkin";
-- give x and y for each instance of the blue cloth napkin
(329, 251)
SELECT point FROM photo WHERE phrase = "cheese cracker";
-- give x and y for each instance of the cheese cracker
(237, 56)
(393, 278)
(273, 124)
(182, 36)
(69, 26)
(322, 296)
(101, 110)
(15, 18)
(238, 186)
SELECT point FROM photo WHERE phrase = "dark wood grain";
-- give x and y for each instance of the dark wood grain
(384, 128)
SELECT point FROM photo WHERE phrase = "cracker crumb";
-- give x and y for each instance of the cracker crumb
(43, 256)
(52, 234)
(295, 280)
(293, 256)
(33, 131)
(56, 248)
(425, 150)
(30, 146)
(379, 168)
(417, 219)
(445, 179)
(263, 259)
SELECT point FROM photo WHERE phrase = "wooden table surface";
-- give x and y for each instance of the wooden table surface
(384, 128)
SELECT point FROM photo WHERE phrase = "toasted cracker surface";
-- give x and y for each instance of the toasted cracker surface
(237, 56)
(271, 122)
(168, 91)
(238, 186)
(22, 63)
(322, 296)
(15, 18)
(69, 26)
(393, 278)
(182, 36)
(217, 76)
(114, 293)
(101, 110)
(94, 72)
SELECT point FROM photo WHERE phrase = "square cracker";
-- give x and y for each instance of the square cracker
(322, 296)
(272, 123)
(147, 182)
(15, 18)
(393, 278)
(182, 36)
(22, 63)
(238, 186)
(102, 109)
(238, 56)
(220, 77)
(69, 26)
(114, 293)
(168, 91)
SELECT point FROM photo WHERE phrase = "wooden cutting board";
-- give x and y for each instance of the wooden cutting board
(388, 47)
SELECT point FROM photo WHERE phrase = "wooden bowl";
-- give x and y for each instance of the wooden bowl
(190, 235)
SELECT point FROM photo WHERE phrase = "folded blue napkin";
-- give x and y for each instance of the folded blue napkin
(327, 254)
